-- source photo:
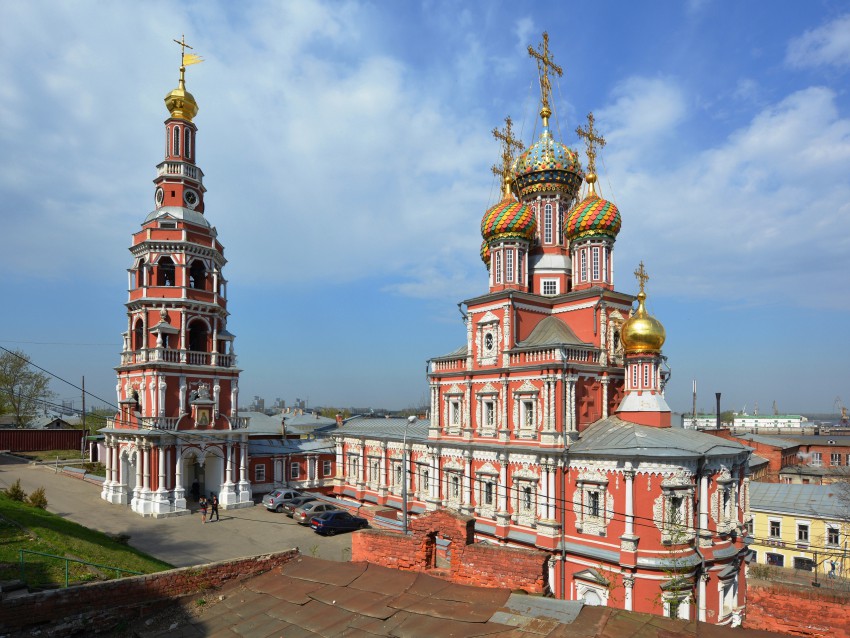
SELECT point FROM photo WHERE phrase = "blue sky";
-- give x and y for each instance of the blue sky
(347, 146)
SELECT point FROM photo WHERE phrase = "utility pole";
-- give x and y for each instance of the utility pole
(85, 430)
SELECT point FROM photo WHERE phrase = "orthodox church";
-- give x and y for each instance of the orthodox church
(177, 430)
(549, 426)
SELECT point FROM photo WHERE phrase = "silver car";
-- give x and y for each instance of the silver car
(277, 499)
(303, 514)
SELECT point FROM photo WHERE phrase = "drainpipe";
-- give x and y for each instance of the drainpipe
(700, 590)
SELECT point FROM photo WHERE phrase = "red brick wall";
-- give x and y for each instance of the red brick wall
(801, 611)
(16, 440)
(471, 564)
(119, 596)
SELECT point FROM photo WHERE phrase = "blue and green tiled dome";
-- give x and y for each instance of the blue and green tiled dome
(548, 166)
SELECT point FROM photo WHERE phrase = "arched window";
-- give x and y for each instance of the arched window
(455, 487)
(188, 144)
(197, 275)
(139, 335)
(488, 493)
(583, 260)
(198, 336)
(165, 272)
(175, 145)
(560, 225)
(547, 224)
(425, 483)
(398, 474)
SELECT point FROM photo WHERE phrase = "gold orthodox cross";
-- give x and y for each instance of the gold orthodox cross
(641, 275)
(592, 140)
(544, 64)
(183, 47)
(509, 144)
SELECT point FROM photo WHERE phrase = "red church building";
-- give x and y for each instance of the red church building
(549, 424)
(177, 430)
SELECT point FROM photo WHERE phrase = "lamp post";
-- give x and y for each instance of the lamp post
(410, 421)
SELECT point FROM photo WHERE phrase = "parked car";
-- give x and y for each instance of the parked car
(277, 499)
(290, 506)
(307, 511)
(329, 523)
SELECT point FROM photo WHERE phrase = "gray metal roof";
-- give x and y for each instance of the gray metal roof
(757, 461)
(262, 423)
(454, 354)
(178, 212)
(551, 332)
(820, 439)
(767, 439)
(270, 447)
(391, 428)
(820, 501)
(615, 437)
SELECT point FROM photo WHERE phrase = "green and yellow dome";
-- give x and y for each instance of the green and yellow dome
(592, 217)
(509, 219)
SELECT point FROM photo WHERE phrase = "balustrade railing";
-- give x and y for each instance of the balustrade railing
(179, 168)
(171, 355)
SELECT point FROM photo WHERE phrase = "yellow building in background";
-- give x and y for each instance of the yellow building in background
(800, 527)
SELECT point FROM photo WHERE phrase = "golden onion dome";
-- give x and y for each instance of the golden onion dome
(642, 332)
(179, 102)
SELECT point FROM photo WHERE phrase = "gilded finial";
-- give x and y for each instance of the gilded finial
(642, 277)
(509, 144)
(179, 102)
(592, 139)
(544, 65)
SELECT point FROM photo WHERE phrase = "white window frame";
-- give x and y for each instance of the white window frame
(327, 468)
(582, 258)
(520, 257)
(509, 265)
(294, 471)
(804, 528)
(549, 287)
(832, 528)
(175, 141)
(595, 262)
(260, 473)
(770, 522)
(547, 224)
(187, 142)
(497, 266)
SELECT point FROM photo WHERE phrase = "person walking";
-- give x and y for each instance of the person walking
(213, 506)
(202, 503)
(832, 567)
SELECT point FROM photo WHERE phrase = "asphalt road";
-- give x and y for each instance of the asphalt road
(181, 540)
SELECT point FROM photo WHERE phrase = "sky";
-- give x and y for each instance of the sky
(347, 148)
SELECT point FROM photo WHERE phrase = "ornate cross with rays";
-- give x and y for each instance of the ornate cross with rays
(641, 275)
(509, 145)
(592, 140)
(544, 64)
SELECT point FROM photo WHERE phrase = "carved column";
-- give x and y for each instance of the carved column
(503, 516)
(466, 504)
(628, 587)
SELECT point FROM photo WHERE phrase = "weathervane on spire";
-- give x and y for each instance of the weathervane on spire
(641, 275)
(186, 59)
(592, 140)
(544, 64)
(509, 144)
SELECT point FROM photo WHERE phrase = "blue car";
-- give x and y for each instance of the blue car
(329, 523)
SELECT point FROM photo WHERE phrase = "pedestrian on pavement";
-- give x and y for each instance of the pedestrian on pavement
(214, 506)
(203, 505)
(832, 566)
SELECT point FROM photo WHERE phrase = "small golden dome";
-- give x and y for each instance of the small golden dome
(642, 332)
(179, 102)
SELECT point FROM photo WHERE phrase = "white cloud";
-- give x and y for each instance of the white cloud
(761, 216)
(827, 45)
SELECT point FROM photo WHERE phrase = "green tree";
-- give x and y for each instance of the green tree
(22, 387)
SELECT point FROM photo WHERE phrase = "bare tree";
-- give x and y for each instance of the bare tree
(22, 387)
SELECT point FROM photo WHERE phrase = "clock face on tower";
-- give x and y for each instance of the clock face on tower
(190, 197)
(159, 196)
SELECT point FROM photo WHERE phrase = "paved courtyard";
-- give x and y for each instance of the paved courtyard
(181, 540)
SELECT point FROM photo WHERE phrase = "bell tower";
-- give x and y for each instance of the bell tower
(178, 383)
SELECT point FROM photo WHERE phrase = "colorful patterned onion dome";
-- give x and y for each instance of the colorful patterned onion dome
(592, 217)
(508, 220)
(642, 332)
(548, 166)
(485, 252)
